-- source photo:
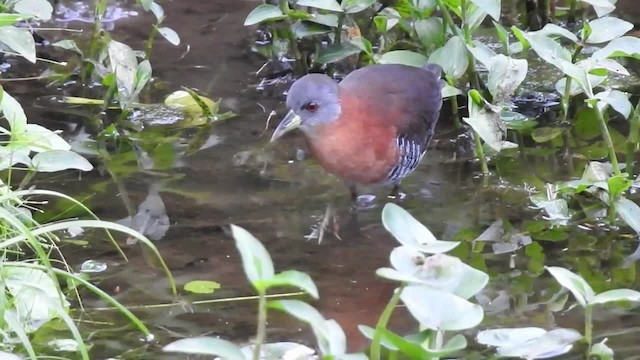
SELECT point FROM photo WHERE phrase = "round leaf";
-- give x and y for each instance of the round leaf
(202, 286)
(440, 310)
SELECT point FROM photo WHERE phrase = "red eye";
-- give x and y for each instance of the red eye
(312, 107)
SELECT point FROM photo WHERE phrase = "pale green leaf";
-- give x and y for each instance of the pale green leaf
(58, 160)
(264, 12)
(19, 40)
(404, 57)
(441, 310)
(207, 346)
(256, 261)
(294, 278)
(331, 5)
(616, 295)
(40, 9)
(410, 232)
(170, 35)
(491, 7)
(574, 283)
(601, 7)
(607, 28)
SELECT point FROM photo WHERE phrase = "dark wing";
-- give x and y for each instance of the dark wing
(409, 99)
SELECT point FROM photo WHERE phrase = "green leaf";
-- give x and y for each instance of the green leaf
(369, 333)
(303, 29)
(618, 185)
(442, 311)
(554, 343)
(601, 7)
(552, 30)
(487, 123)
(430, 32)
(482, 53)
(629, 212)
(202, 286)
(298, 309)
(39, 138)
(410, 232)
(40, 9)
(618, 100)
(450, 91)
(58, 160)
(207, 346)
(404, 57)
(10, 19)
(439, 271)
(19, 40)
(505, 75)
(331, 5)
(170, 35)
(587, 125)
(264, 12)
(256, 261)
(336, 53)
(545, 134)
(355, 6)
(124, 65)
(601, 351)
(607, 28)
(491, 7)
(68, 45)
(13, 112)
(616, 295)
(574, 283)
(296, 279)
(158, 11)
(509, 336)
(452, 57)
(626, 46)
(146, 4)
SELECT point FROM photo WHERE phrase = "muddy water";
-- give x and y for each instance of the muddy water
(279, 195)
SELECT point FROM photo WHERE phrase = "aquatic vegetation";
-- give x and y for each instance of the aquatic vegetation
(435, 287)
(33, 274)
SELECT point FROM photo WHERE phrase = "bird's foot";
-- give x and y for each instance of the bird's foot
(398, 195)
(366, 201)
(329, 222)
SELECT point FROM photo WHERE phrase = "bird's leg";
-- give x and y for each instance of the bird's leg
(396, 193)
(330, 218)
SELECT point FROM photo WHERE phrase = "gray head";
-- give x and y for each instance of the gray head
(312, 100)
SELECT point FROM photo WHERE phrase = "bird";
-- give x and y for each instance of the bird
(371, 128)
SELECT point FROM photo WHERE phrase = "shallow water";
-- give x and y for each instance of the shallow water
(241, 179)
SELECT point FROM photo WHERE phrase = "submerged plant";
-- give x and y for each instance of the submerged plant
(259, 269)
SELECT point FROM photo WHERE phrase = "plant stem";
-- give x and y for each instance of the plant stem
(149, 44)
(338, 32)
(633, 139)
(566, 97)
(480, 153)
(435, 341)
(474, 80)
(262, 324)
(374, 353)
(572, 11)
(607, 138)
(588, 327)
